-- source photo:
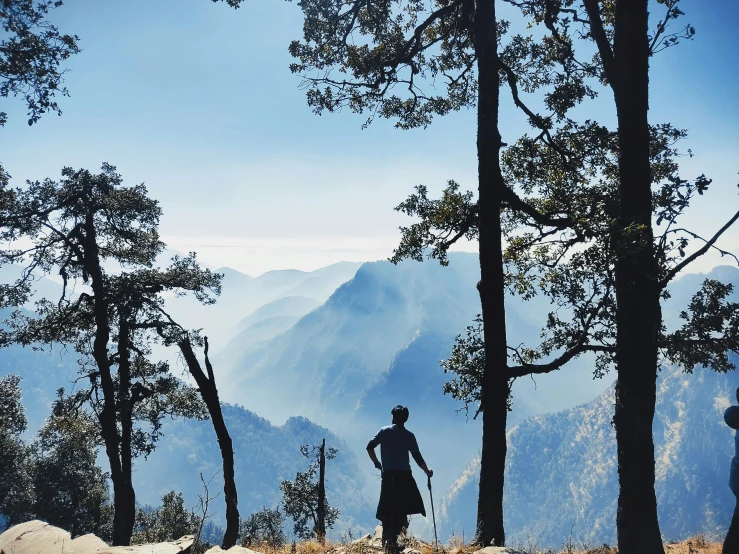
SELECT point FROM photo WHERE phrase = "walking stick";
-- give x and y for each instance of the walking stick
(433, 514)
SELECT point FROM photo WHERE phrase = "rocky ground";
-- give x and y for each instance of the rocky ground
(37, 537)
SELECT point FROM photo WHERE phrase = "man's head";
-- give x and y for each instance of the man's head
(400, 414)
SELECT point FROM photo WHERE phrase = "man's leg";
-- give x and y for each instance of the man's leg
(731, 542)
(390, 532)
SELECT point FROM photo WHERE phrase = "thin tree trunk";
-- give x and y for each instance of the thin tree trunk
(637, 292)
(209, 394)
(321, 508)
(107, 416)
(490, 530)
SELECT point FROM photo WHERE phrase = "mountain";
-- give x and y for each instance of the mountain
(376, 342)
(334, 360)
(241, 295)
(287, 306)
(267, 322)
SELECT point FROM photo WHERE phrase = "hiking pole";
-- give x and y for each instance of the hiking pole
(433, 514)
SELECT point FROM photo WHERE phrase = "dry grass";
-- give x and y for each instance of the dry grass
(697, 544)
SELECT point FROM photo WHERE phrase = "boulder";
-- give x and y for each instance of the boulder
(232, 550)
(38, 537)
(179, 546)
(88, 543)
(497, 550)
(378, 533)
(33, 537)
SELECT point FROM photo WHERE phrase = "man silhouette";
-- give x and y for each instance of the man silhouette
(399, 494)
(731, 542)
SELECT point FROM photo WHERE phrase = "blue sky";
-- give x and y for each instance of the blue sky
(197, 101)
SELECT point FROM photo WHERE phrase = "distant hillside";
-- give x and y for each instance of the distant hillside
(561, 468)
(265, 455)
(377, 341)
(242, 295)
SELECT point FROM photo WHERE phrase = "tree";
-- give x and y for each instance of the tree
(643, 262)
(16, 462)
(70, 488)
(264, 526)
(209, 393)
(74, 227)
(169, 522)
(300, 498)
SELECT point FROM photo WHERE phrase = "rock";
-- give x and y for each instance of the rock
(176, 547)
(410, 550)
(232, 550)
(88, 543)
(378, 533)
(497, 550)
(366, 538)
(35, 537)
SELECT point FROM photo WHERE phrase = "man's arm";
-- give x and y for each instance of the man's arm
(373, 456)
(371, 445)
(416, 453)
(421, 463)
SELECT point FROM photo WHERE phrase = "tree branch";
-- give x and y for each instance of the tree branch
(516, 203)
(600, 38)
(697, 254)
(208, 365)
(538, 369)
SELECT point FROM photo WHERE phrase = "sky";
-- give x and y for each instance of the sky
(196, 100)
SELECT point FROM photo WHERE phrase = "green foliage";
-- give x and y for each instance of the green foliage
(70, 488)
(263, 527)
(167, 523)
(12, 414)
(710, 331)
(300, 497)
(467, 363)
(575, 267)
(16, 460)
(31, 52)
(443, 222)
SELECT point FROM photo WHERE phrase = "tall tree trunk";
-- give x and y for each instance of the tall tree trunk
(107, 416)
(321, 508)
(637, 292)
(125, 500)
(209, 394)
(490, 530)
